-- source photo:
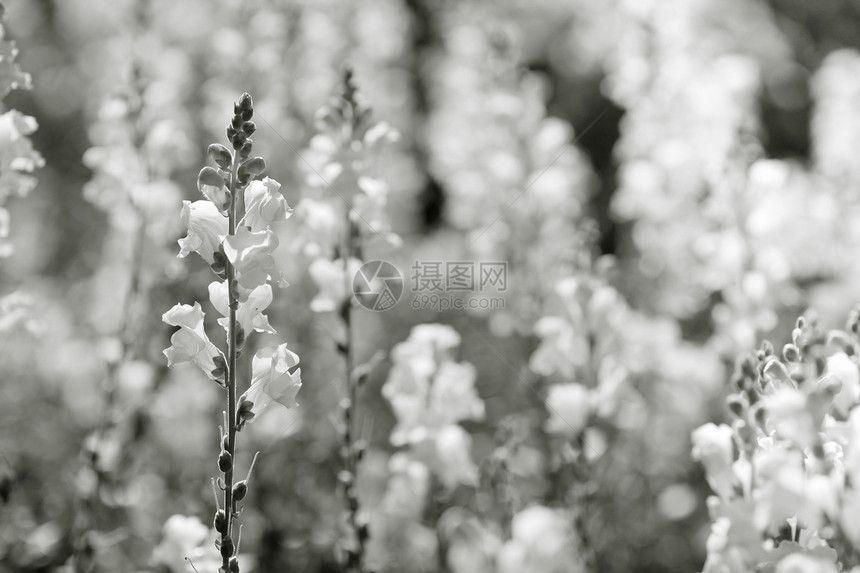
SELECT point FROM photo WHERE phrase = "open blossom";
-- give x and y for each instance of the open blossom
(800, 563)
(329, 277)
(272, 380)
(190, 343)
(430, 393)
(206, 229)
(18, 159)
(846, 370)
(713, 447)
(249, 315)
(434, 337)
(453, 395)
(790, 417)
(250, 253)
(568, 406)
(453, 463)
(186, 537)
(427, 397)
(264, 204)
(319, 225)
(561, 349)
(541, 542)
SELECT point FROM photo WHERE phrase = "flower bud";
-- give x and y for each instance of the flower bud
(234, 565)
(249, 127)
(212, 186)
(840, 340)
(345, 477)
(736, 405)
(227, 546)
(253, 166)
(776, 370)
(240, 490)
(245, 102)
(244, 413)
(791, 353)
(748, 366)
(761, 417)
(225, 461)
(220, 521)
(795, 336)
(220, 155)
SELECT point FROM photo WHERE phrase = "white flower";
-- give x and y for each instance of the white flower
(17, 157)
(452, 396)
(250, 253)
(569, 409)
(320, 227)
(542, 541)
(264, 204)
(713, 448)
(190, 343)
(186, 537)
(850, 505)
(438, 336)
(844, 368)
(801, 563)
(407, 489)
(453, 463)
(561, 350)
(272, 380)
(206, 229)
(249, 315)
(790, 417)
(426, 388)
(329, 277)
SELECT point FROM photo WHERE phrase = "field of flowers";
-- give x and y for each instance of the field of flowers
(429, 286)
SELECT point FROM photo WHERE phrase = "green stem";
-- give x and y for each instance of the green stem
(350, 462)
(231, 369)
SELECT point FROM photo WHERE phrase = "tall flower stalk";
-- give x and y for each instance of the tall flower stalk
(18, 161)
(343, 149)
(233, 231)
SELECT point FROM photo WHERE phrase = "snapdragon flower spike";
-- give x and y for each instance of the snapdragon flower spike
(430, 395)
(190, 343)
(233, 231)
(789, 460)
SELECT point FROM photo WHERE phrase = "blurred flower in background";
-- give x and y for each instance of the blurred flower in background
(666, 183)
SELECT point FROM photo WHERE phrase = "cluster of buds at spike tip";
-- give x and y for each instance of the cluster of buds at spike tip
(344, 114)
